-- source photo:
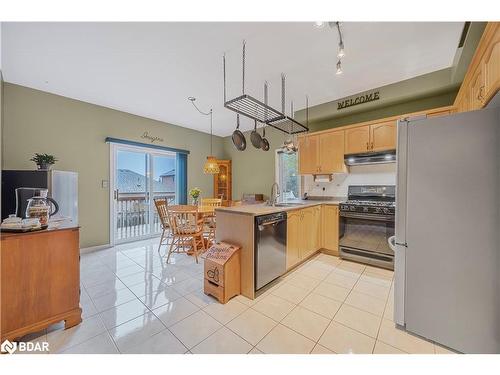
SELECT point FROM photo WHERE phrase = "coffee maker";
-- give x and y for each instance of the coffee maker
(24, 194)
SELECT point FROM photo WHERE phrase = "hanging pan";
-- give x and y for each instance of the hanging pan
(238, 137)
(264, 143)
(255, 137)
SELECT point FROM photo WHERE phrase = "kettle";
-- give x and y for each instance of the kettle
(34, 197)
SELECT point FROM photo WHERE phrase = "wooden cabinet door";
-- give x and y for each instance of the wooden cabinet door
(316, 228)
(330, 228)
(307, 233)
(309, 154)
(331, 152)
(293, 238)
(492, 67)
(477, 89)
(357, 140)
(383, 136)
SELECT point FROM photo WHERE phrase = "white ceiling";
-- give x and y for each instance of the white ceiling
(149, 69)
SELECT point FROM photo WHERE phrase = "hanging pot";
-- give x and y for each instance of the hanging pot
(238, 137)
(264, 143)
(255, 137)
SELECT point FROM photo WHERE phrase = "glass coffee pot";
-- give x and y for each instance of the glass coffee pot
(40, 206)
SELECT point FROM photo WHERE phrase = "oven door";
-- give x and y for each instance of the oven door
(364, 238)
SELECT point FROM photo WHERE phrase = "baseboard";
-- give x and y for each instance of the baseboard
(91, 249)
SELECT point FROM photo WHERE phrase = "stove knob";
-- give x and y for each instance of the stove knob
(377, 210)
(386, 210)
(365, 209)
(352, 208)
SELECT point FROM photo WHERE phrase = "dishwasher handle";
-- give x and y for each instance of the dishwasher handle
(270, 223)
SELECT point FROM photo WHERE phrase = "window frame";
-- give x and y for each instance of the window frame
(277, 173)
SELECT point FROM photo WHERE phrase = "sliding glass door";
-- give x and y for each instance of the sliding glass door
(138, 176)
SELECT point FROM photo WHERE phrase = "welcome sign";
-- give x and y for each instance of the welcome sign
(365, 98)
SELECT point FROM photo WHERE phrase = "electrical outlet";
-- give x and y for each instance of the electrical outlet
(104, 184)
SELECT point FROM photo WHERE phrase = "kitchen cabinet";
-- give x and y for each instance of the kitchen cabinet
(330, 228)
(492, 67)
(293, 238)
(322, 153)
(477, 90)
(309, 154)
(331, 152)
(357, 140)
(376, 137)
(303, 234)
(482, 80)
(383, 136)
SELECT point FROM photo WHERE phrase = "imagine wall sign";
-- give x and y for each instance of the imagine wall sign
(151, 138)
(365, 98)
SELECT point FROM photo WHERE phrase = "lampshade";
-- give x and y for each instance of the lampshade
(211, 166)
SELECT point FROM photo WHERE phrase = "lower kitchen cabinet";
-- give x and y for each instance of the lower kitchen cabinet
(303, 234)
(330, 228)
(293, 238)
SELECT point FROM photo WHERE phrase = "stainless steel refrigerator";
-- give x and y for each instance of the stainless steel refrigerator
(62, 186)
(447, 255)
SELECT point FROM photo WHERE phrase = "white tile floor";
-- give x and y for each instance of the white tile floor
(135, 303)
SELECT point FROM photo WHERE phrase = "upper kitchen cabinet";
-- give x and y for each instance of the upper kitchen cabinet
(492, 66)
(357, 140)
(376, 137)
(477, 89)
(321, 153)
(331, 152)
(383, 136)
(309, 154)
(482, 80)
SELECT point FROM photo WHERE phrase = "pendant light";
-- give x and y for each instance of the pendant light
(211, 166)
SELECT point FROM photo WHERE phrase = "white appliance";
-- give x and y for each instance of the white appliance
(447, 245)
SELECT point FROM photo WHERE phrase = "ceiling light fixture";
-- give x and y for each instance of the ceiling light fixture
(211, 166)
(339, 68)
(340, 50)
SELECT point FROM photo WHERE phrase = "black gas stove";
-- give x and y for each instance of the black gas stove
(367, 223)
(370, 199)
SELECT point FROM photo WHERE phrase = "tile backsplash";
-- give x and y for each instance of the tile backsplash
(376, 174)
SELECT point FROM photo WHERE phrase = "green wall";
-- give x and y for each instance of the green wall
(74, 131)
(254, 170)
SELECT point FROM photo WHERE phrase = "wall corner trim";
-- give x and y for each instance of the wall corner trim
(140, 144)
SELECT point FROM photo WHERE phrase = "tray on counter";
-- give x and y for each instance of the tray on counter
(23, 230)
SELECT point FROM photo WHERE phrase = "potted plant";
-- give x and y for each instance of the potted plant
(43, 161)
(195, 194)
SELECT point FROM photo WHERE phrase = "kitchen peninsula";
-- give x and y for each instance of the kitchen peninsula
(311, 226)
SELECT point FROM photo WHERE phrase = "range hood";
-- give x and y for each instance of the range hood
(371, 158)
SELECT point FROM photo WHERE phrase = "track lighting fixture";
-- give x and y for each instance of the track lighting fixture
(339, 68)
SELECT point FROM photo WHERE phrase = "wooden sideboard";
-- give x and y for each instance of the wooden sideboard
(40, 281)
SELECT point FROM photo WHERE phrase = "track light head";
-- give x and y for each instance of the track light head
(339, 68)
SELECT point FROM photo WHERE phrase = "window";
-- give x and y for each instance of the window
(287, 175)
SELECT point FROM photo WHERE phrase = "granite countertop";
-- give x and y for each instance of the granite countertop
(264, 209)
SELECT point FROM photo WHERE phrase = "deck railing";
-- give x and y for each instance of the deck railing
(132, 214)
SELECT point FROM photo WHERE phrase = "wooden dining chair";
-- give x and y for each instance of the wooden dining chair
(161, 205)
(187, 230)
(209, 224)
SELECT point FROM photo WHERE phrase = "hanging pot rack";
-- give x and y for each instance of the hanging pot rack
(256, 110)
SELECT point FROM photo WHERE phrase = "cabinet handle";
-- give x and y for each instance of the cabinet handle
(480, 95)
(367, 145)
(372, 145)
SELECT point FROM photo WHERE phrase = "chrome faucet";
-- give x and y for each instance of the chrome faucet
(274, 195)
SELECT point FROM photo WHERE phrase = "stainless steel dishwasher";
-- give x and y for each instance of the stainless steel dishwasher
(270, 248)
